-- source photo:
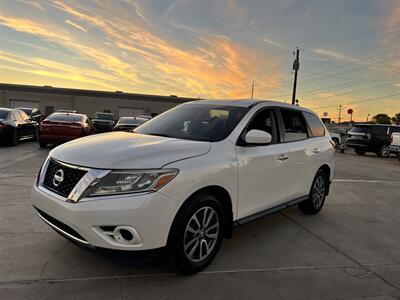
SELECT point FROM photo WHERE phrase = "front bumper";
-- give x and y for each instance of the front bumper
(150, 214)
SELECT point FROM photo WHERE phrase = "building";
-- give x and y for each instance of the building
(49, 99)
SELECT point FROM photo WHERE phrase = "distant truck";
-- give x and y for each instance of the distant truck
(395, 143)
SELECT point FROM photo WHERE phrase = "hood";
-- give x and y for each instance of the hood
(124, 150)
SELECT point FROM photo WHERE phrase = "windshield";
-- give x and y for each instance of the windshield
(104, 117)
(28, 111)
(3, 114)
(361, 129)
(195, 122)
(65, 118)
(130, 121)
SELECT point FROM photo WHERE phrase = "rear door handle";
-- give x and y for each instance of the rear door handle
(316, 150)
(283, 156)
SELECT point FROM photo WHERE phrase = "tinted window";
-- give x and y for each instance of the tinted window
(379, 129)
(4, 114)
(200, 122)
(24, 116)
(264, 120)
(65, 118)
(315, 125)
(394, 129)
(361, 129)
(131, 121)
(104, 117)
(26, 110)
(294, 126)
(18, 116)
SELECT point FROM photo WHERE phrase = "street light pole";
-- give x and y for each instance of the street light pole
(296, 65)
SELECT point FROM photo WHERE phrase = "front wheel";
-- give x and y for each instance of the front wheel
(317, 196)
(384, 151)
(196, 234)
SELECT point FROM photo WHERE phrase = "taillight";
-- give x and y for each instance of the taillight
(2, 125)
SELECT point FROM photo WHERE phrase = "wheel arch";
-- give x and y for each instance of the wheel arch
(327, 170)
(225, 199)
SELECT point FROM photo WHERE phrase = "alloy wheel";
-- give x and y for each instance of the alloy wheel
(385, 151)
(318, 193)
(201, 234)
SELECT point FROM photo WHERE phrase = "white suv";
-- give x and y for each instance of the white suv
(186, 177)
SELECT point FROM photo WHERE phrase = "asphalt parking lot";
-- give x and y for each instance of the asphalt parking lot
(350, 250)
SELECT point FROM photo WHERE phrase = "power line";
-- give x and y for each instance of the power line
(366, 80)
(353, 62)
(363, 89)
(360, 101)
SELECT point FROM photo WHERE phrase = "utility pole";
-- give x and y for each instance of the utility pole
(340, 111)
(252, 90)
(296, 65)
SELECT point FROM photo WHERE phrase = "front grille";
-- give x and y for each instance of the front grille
(60, 225)
(71, 178)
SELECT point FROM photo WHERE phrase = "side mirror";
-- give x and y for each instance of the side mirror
(258, 137)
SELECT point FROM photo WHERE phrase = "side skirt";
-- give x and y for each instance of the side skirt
(268, 211)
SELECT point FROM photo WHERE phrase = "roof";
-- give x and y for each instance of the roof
(248, 103)
(92, 93)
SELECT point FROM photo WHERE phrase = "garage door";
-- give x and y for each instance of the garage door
(24, 103)
(130, 112)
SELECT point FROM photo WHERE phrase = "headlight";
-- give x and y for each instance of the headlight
(135, 181)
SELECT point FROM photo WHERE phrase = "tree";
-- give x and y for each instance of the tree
(396, 119)
(382, 119)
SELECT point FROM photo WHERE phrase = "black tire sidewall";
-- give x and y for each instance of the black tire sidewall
(308, 206)
(175, 248)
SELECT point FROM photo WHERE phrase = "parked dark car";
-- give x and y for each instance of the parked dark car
(33, 113)
(15, 125)
(129, 123)
(103, 122)
(61, 127)
(371, 138)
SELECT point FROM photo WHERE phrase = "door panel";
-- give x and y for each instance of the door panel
(262, 178)
(303, 163)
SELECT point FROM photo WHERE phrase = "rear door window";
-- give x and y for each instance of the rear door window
(315, 125)
(380, 130)
(295, 128)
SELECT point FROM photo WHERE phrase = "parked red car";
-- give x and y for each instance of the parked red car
(61, 127)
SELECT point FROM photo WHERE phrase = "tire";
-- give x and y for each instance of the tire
(191, 247)
(336, 142)
(35, 135)
(359, 151)
(14, 138)
(42, 144)
(384, 151)
(318, 192)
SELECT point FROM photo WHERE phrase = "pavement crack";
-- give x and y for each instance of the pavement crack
(66, 243)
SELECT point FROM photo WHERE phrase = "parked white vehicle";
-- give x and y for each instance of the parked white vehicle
(186, 177)
(395, 143)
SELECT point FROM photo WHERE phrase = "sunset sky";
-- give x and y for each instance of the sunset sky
(350, 49)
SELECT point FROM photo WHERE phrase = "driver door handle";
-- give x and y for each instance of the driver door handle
(316, 150)
(283, 156)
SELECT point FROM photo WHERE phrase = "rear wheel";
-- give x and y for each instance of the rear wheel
(14, 138)
(42, 144)
(196, 234)
(317, 195)
(359, 151)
